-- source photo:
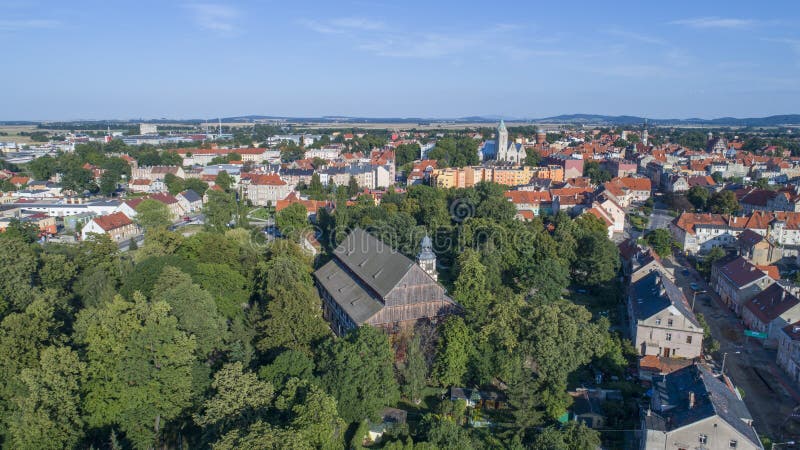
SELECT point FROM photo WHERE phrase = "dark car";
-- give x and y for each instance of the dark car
(686, 272)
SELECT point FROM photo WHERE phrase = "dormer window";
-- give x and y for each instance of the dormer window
(658, 321)
(669, 322)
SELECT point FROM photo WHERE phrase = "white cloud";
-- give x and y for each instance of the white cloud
(637, 37)
(218, 18)
(343, 25)
(26, 24)
(714, 22)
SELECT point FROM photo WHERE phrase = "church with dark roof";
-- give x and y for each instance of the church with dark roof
(368, 282)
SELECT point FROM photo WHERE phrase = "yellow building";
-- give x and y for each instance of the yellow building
(470, 176)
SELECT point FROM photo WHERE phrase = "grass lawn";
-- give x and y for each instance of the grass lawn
(260, 213)
(638, 222)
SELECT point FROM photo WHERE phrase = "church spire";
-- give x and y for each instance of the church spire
(426, 258)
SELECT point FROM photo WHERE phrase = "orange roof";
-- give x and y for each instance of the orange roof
(312, 206)
(636, 184)
(772, 271)
(521, 197)
(271, 179)
(687, 221)
(112, 221)
(597, 212)
(141, 182)
(19, 180)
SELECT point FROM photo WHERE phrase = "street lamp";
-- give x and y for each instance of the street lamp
(694, 297)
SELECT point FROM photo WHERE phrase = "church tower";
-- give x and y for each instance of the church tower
(502, 141)
(426, 259)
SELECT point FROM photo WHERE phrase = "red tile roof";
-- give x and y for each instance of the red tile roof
(112, 221)
(528, 197)
(264, 179)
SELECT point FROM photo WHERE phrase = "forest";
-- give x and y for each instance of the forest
(216, 340)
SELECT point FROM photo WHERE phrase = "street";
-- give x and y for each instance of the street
(768, 393)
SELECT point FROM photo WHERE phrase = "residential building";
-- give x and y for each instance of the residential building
(770, 311)
(789, 351)
(117, 226)
(190, 201)
(737, 281)
(757, 249)
(264, 189)
(662, 322)
(692, 408)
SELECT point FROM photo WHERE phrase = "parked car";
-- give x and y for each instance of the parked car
(686, 272)
(694, 286)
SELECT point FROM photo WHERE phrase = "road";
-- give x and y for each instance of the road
(768, 393)
(659, 218)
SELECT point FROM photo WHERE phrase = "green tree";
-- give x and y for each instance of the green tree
(193, 307)
(352, 187)
(599, 259)
(140, 367)
(723, 202)
(174, 184)
(239, 399)
(289, 364)
(197, 185)
(152, 215)
(109, 182)
(48, 414)
(23, 336)
(414, 372)
(698, 196)
(43, 168)
(598, 175)
(224, 180)
(358, 371)
(453, 353)
(292, 308)
(406, 153)
(292, 221)
(219, 210)
(661, 241)
(18, 264)
(471, 290)
(562, 338)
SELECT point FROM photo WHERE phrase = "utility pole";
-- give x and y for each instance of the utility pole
(724, 356)
(694, 297)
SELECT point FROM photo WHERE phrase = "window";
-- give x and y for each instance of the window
(734, 443)
(658, 321)
(669, 322)
(703, 439)
(688, 339)
(669, 336)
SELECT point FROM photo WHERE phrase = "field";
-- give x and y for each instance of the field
(13, 133)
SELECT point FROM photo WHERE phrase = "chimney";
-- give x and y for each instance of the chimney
(691, 400)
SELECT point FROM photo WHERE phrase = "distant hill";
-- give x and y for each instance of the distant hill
(578, 119)
(595, 119)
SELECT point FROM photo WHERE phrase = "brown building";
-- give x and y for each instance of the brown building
(368, 282)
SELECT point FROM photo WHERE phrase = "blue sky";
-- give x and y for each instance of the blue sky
(181, 59)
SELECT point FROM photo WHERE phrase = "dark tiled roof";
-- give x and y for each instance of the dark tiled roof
(770, 303)
(191, 196)
(750, 238)
(349, 293)
(655, 292)
(374, 262)
(740, 272)
(712, 396)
